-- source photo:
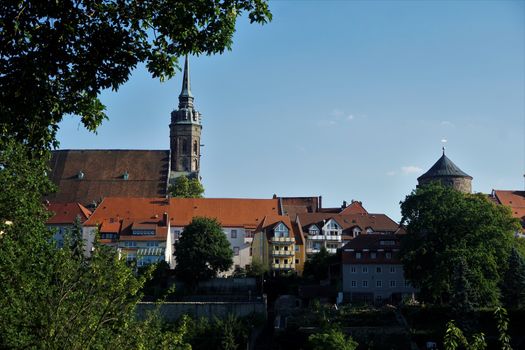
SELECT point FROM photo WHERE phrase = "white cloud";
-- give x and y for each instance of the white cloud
(444, 140)
(447, 123)
(391, 173)
(411, 169)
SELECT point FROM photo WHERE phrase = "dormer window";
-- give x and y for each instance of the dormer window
(356, 231)
(125, 176)
(369, 230)
(281, 230)
(80, 175)
(332, 228)
(313, 230)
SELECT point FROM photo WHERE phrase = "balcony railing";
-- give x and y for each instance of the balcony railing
(336, 238)
(285, 240)
(317, 250)
(283, 266)
(282, 253)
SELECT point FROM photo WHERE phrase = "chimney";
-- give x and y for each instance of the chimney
(165, 218)
(320, 202)
(344, 205)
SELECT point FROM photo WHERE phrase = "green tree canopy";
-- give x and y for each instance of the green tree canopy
(56, 298)
(202, 251)
(56, 57)
(186, 188)
(513, 286)
(331, 339)
(446, 227)
(317, 266)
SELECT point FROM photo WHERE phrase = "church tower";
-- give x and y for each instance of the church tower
(185, 133)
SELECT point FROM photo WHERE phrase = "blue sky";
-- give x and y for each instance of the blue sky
(344, 99)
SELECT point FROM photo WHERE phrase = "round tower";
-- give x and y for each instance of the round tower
(448, 174)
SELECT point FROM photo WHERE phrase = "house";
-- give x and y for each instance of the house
(63, 218)
(238, 217)
(515, 200)
(372, 271)
(332, 231)
(274, 244)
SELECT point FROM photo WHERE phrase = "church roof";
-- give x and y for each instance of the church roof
(85, 176)
(444, 167)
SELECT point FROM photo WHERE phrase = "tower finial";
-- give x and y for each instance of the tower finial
(443, 148)
(186, 90)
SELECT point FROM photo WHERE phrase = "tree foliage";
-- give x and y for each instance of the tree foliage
(446, 227)
(317, 266)
(202, 251)
(513, 286)
(186, 188)
(56, 298)
(331, 339)
(56, 57)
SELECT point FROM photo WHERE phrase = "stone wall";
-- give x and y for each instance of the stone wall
(462, 184)
(171, 311)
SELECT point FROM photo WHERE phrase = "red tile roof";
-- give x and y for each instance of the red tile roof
(231, 212)
(367, 243)
(513, 199)
(355, 207)
(378, 222)
(66, 213)
(103, 174)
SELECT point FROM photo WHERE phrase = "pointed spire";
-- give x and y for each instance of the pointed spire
(185, 97)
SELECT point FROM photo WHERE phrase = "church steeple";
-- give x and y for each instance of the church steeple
(185, 132)
(185, 97)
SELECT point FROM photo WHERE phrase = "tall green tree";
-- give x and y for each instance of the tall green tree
(513, 286)
(444, 227)
(185, 187)
(56, 298)
(57, 56)
(202, 251)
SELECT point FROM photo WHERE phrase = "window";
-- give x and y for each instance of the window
(195, 147)
(392, 283)
(286, 261)
(130, 244)
(354, 283)
(296, 248)
(373, 255)
(276, 261)
(248, 234)
(378, 269)
(286, 248)
(365, 269)
(358, 255)
(280, 230)
(297, 261)
(407, 284)
(176, 234)
(392, 269)
(233, 233)
(353, 269)
(251, 251)
(365, 283)
(388, 255)
(184, 146)
(235, 251)
(379, 283)
(313, 230)
(152, 244)
(385, 242)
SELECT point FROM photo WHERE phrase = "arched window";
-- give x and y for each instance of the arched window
(184, 146)
(195, 147)
(195, 164)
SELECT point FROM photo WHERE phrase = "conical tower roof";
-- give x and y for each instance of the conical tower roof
(444, 167)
